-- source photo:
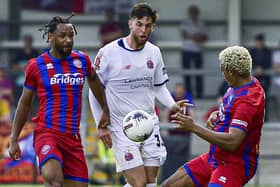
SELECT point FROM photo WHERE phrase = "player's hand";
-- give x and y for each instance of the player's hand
(103, 131)
(105, 135)
(14, 150)
(212, 120)
(184, 121)
(181, 106)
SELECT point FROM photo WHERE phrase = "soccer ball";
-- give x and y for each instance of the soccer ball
(138, 125)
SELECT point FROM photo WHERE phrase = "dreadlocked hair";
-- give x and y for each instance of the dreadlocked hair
(52, 25)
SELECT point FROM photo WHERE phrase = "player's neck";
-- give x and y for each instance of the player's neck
(56, 54)
(242, 81)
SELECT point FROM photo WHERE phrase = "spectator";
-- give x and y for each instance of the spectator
(20, 61)
(6, 86)
(261, 57)
(275, 88)
(111, 29)
(194, 34)
(177, 142)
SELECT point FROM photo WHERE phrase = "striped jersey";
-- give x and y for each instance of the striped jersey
(242, 108)
(59, 84)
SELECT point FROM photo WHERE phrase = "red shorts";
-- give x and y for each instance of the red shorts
(225, 175)
(65, 148)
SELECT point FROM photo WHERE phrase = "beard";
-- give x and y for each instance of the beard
(64, 52)
(140, 43)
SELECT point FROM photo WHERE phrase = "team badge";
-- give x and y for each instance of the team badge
(77, 63)
(150, 64)
(98, 61)
(128, 156)
(45, 149)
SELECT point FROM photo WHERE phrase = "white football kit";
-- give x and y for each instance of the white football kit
(130, 78)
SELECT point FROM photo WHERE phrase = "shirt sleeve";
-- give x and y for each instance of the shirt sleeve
(101, 67)
(161, 76)
(242, 116)
(89, 65)
(31, 71)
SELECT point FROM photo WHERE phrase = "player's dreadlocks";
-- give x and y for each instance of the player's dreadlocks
(52, 25)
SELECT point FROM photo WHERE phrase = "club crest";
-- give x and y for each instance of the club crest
(150, 64)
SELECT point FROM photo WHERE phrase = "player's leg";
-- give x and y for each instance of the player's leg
(196, 172)
(153, 153)
(52, 173)
(128, 159)
(73, 183)
(223, 175)
(151, 175)
(178, 179)
(136, 177)
(75, 169)
(49, 157)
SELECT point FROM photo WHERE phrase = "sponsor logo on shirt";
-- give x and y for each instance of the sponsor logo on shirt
(128, 66)
(67, 78)
(142, 82)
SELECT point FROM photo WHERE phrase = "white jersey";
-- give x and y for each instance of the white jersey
(129, 77)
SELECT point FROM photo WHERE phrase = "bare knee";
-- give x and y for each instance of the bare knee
(52, 174)
(135, 182)
(165, 184)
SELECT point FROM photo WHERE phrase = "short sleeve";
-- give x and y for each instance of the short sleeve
(31, 71)
(161, 76)
(89, 65)
(242, 116)
(101, 66)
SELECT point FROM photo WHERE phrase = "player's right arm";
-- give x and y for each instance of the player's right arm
(24, 105)
(21, 114)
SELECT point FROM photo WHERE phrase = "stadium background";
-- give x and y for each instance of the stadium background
(228, 22)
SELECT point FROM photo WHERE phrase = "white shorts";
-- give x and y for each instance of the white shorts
(131, 154)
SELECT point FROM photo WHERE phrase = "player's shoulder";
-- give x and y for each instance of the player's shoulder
(253, 93)
(78, 53)
(32, 63)
(112, 46)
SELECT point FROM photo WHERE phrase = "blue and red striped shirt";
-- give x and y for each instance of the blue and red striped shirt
(59, 84)
(242, 108)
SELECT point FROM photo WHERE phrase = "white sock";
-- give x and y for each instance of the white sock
(127, 185)
(151, 185)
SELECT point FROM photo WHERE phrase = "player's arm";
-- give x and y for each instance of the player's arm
(104, 119)
(229, 141)
(98, 91)
(21, 115)
(164, 97)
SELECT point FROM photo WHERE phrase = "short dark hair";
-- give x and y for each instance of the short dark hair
(260, 37)
(141, 10)
(52, 25)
